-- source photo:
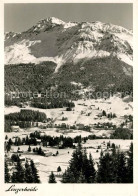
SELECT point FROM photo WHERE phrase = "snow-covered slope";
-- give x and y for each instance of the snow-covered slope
(54, 40)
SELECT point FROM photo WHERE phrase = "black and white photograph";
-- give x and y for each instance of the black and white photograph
(68, 93)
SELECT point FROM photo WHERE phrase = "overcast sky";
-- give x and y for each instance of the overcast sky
(20, 17)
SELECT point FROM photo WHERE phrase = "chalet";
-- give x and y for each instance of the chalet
(21, 105)
(63, 125)
(44, 126)
(15, 128)
(35, 124)
(38, 141)
(80, 126)
(40, 124)
(50, 125)
(47, 153)
(24, 134)
(72, 127)
(91, 125)
(122, 117)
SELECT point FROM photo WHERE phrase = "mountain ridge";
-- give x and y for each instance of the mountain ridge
(54, 40)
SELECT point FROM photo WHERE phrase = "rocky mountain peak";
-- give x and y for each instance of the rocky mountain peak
(52, 39)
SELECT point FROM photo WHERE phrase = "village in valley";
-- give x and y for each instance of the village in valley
(99, 125)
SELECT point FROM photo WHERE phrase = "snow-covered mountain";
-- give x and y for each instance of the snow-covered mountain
(54, 40)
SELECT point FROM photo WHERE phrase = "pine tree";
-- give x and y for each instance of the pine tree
(71, 177)
(76, 163)
(104, 113)
(16, 142)
(35, 172)
(114, 164)
(105, 169)
(68, 177)
(80, 169)
(65, 177)
(27, 140)
(19, 142)
(29, 148)
(8, 147)
(29, 178)
(40, 150)
(130, 165)
(10, 141)
(81, 178)
(59, 169)
(121, 169)
(52, 178)
(7, 175)
(85, 166)
(20, 175)
(91, 170)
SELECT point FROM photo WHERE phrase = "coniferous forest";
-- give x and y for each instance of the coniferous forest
(113, 167)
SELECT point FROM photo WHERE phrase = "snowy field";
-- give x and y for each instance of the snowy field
(82, 108)
(78, 115)
(57, 133)
(48, 164)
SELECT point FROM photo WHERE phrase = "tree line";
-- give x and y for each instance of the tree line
(122, 133)
(27, 174)
(24, 119)
(46, 140)
(26, 115)
(114, 167)
(56, 103)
